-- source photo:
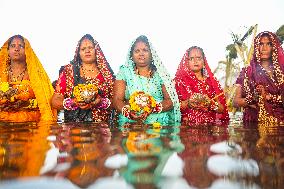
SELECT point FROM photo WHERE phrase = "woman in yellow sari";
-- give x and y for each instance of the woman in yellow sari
(25, 89)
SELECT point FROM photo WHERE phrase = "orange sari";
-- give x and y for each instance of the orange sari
(39, 85)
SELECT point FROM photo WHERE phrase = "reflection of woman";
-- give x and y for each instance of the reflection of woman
(30, 90)
(148, 152)
(195, 156)
(202, 99)
(88, 164)
(144, 71)
(270, 156)
(23, 151)
(264, 75)
(89, 66)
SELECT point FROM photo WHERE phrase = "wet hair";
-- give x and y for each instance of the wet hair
(90, 38)
(14, 37)
(144, 39)
(196, 47)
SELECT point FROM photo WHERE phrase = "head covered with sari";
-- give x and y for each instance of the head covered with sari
(255, 75)
(71, 77)
(101, 61)
(157, 66)
(190, 80)
(252, 77)
(39, 79)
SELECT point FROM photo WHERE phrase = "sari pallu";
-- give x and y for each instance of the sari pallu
(254, 75)
(187, 84)
(70, 77)
(152, 86)
(39, 83)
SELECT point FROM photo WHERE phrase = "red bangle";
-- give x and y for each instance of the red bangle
(158, 108)
(125, 111)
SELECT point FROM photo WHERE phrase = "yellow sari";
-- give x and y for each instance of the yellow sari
(39, 83)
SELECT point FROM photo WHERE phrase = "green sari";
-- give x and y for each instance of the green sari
(152, 86)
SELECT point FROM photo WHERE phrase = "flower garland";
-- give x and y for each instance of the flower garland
(12, 92)
(141, 102)
(142, 143)
(4, 86)
(85, 92)
(199, 100)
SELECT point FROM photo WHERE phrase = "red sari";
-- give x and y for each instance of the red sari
(70, 77)
(187, 84)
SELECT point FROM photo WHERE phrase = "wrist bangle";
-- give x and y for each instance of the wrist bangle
(69, 104)
(105, 103)
(248, 100)
(215, 106)
(158, 108)
(188, 103)
(275, 98)
(125, 111)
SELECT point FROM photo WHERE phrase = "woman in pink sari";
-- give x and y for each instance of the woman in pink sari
(265, 76)
(202, 99)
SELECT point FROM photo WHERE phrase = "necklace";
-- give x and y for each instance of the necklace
(149, 74)
(88, 78)
(268, 71)
(19, 77)
(84, 69)
(148, 77)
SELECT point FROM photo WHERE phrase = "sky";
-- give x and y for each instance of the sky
(54, 27)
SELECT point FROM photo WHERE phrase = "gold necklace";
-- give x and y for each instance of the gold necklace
(83, 69)
(149, 74)
(89, 79)
(14, 78)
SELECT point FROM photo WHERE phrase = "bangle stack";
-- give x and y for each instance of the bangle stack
(105, 103)
(275, 98)
(188, 103)
(126, 111)
(214, 106)
(248, 100)
(158, 108)
(69, 104)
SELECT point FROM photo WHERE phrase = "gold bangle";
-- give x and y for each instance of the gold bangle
(188, 104)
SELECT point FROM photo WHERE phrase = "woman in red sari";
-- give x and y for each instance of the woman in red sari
(265, 76)
(202, 99)
(89, 66)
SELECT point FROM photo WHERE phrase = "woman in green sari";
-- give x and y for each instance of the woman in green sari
(145, 72)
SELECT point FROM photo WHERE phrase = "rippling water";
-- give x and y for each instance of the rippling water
(73, 155)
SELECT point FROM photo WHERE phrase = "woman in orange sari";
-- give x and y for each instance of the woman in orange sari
(25, 89)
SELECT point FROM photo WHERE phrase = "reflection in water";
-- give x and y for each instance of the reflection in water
(22, 149)
(148, 149)
(197, 142)
(270, 155)
(93, 155)
(86, 148)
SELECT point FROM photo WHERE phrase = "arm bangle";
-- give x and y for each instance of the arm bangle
(69, 104)
(125, 111)
(158, 108)
(105, 103)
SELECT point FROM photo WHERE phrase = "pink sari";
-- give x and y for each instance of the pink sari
(255, 74)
